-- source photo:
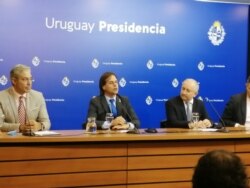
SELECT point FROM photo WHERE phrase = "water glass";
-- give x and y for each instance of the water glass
(109, 118)
(91, 125)
(195, 117)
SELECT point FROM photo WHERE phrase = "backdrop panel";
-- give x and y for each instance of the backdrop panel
(151, 45)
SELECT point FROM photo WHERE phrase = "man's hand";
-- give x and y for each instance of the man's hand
(119, 123)
(37, 126)
(200, 124)
(207, 123)
(120, 127)
(31, 125)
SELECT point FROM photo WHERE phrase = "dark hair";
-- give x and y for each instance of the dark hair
(248, 79)
(103, 80)
(220, 169)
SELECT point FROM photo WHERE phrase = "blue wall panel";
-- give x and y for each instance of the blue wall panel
(68, 48)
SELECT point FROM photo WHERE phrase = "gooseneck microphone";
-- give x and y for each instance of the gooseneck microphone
(132, 131)
(27, 132)
(123, 108)
(223, 126)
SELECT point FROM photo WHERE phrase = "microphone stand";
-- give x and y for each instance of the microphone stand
(27, 132)
(132, 131)
(222, 129)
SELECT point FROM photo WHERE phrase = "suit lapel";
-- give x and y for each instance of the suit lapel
(13, 106)
(104, 104)
(119, 106)
(182, 107)
(28, 105)
(195, 105)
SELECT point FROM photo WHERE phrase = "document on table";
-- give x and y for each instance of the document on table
(46, 133)
(206, 130)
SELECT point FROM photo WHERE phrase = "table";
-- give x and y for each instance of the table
(114, 160)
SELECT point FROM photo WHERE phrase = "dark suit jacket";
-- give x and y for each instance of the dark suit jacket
(176, 113)
(98, 108)
(235, 110)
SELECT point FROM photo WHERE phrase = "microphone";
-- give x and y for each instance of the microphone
(221, 126)
(132, 131)
(123, 108)
(27, 132)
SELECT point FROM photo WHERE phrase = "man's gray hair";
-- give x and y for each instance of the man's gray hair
(196, 84)
(17, 70)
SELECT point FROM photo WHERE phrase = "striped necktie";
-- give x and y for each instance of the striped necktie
(21, 111)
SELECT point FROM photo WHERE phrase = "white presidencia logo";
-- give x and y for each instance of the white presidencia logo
(95, 63)
(36, 61)
(149, 100)
(122, 82)
(201, 66)
(175, 82)
(216, 33)
(150, 64)
(65, 81)
(3, 80)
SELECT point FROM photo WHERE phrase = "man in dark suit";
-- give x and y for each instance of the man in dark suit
(237, 110)
(177, 108)
(110, 102)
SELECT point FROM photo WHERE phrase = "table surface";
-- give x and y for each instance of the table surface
(104, 136)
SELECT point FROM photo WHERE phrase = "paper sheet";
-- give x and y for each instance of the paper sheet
(46, 133)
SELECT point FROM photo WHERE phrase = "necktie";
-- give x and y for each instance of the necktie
(113, 108)
(21, 111)
(189, 112)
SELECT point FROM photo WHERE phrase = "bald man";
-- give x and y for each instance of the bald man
(177, 108)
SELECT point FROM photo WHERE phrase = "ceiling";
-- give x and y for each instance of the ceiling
(228, 1)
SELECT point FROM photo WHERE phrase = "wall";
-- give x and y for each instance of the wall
(69, 44)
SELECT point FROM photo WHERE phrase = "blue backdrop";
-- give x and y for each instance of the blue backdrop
(151, 45)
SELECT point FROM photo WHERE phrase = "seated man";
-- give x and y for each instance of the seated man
(110, 102)
(23, 108)
(220, 169)
(179, 109)
(237, 110)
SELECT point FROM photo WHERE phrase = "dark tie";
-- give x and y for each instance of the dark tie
(113, 108)
(189, 112)
(21, 111)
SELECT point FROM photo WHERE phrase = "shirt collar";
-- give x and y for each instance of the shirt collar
(108, 98)
(190, 102)
(17, 95)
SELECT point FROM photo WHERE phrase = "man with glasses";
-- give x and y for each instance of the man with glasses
(22, 107)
